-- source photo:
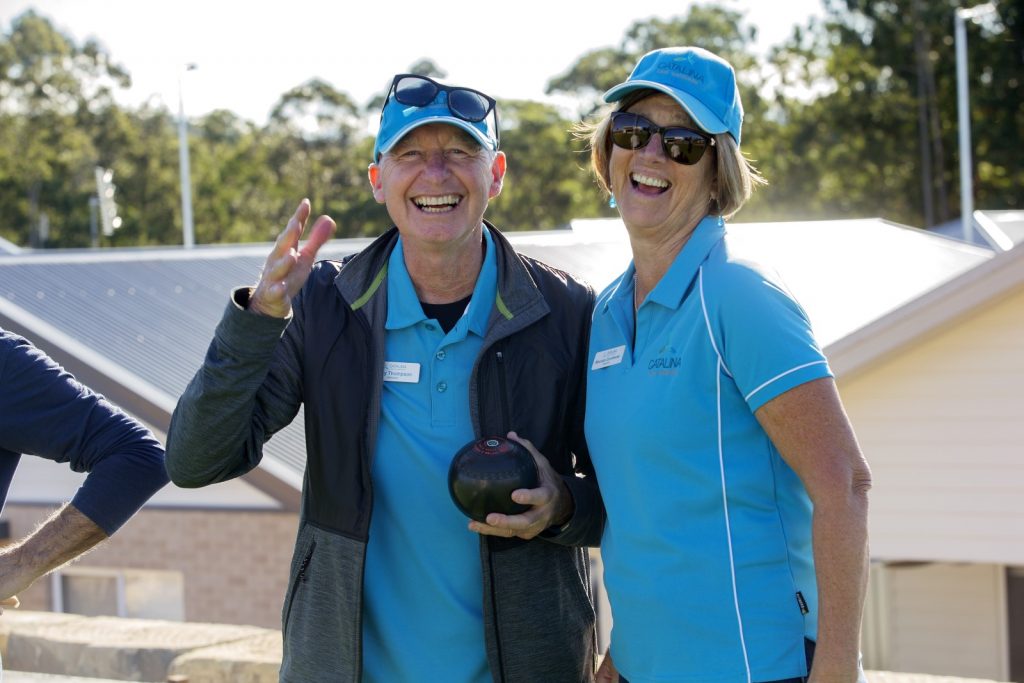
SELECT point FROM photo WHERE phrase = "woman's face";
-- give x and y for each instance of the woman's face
(655, 194)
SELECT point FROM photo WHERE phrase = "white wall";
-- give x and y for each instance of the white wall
(942, 425)
(945, 619)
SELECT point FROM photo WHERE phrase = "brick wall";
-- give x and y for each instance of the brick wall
(235, 564)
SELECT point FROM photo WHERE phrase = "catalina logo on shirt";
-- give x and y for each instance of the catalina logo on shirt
(667, 362)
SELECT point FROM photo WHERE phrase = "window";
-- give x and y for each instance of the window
(133, 593)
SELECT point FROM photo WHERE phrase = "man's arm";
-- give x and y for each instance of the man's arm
(65, 535)
(567, 508)
(45, 412)
(586, 525)
(248, 386)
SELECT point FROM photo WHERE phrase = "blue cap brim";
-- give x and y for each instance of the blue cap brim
(398, 120)
(703, 117)
(451, 120)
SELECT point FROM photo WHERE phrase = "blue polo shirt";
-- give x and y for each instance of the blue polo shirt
(707, 547)
(422, 609)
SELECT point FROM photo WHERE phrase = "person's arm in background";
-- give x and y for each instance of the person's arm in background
(45, 412)
(65, 535)
(810, 429)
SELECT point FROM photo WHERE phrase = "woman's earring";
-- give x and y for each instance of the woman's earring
(611, 201)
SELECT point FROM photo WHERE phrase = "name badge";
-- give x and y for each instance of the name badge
(603, 359)
(395, 371)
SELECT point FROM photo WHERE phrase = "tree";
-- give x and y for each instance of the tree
(547, 183)
(716, 29)
(49, 88)
(320, 161)
(880, 137)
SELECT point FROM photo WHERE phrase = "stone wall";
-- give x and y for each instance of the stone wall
(152, 650)
(138, 649)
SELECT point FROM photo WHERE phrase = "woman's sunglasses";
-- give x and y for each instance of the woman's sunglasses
(465, 103)
(682, 145)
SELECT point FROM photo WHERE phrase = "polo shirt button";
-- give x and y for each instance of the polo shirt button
(430, 327)
(440, 355)
(442, 387)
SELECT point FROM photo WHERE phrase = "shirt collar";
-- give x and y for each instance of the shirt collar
(674, 284)
(405, 310)
(486, 289)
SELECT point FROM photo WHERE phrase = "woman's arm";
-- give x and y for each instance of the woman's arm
(810, 429)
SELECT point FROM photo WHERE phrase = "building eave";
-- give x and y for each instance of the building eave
(940, 307)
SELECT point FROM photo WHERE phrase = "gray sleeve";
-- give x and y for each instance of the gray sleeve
(586, 525)
(248, 388)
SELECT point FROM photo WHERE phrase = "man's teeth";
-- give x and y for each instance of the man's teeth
(649, 181)
(437, 204)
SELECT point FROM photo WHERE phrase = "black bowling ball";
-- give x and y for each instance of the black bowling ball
(484, 473)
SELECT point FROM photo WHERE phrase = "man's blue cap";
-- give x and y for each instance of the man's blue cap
(398, 119)
(702, 83)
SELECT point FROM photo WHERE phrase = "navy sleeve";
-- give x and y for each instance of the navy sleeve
(8, 464)
(45, 412)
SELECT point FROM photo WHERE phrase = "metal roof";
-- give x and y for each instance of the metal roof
(145, 316)
(998, 230)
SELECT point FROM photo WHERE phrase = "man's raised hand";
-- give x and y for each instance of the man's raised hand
(287, 267)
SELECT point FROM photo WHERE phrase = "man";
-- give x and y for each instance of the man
(436, 334)
(45, 412)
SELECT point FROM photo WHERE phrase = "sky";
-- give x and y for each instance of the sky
(249, 53)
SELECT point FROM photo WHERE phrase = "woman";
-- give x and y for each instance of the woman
(736, 541)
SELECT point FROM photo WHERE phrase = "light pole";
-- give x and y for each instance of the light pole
(961, 15)
(188, 232)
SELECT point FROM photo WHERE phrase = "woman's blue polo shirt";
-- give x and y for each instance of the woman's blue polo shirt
(707, 548)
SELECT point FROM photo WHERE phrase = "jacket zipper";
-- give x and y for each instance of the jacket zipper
(499, 357)
(300, 578)
(494, 610)
(365, 456)
(503, 390)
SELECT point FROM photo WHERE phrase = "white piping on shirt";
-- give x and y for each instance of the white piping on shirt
(783, 374)
(707, 321)
(721, 469)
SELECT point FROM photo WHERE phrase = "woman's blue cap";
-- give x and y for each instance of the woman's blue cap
(701, 82)
(397, 120)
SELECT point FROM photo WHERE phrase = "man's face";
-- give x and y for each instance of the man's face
(436, 183)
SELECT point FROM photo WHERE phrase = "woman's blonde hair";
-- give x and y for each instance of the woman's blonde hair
(736, 176)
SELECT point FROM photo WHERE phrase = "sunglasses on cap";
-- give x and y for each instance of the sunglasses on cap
(465, 103)
(682, 145)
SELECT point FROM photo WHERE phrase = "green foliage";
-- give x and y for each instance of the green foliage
(720, 31)
(854, 115)
(880, 137)
(547, 183)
